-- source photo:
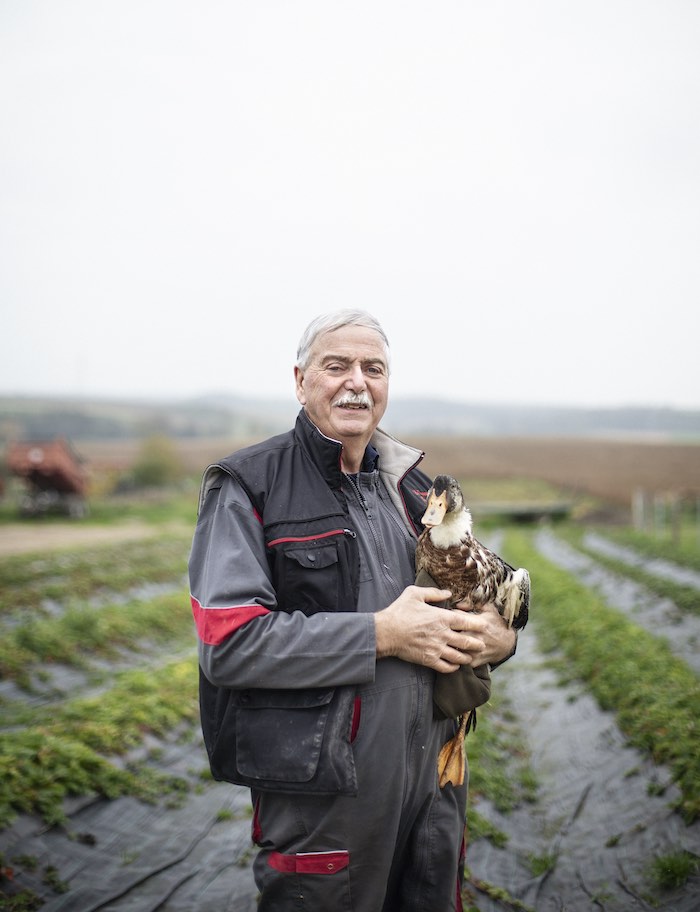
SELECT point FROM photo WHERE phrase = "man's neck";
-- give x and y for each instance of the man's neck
(352, 456)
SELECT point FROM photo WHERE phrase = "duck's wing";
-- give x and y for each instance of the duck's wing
(506, 586)
(451, 568)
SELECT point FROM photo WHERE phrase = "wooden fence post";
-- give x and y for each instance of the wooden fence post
(640, 511)
(676, 516)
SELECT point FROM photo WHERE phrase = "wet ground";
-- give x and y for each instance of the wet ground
(594, 817)
(659, 616)
(599, 816)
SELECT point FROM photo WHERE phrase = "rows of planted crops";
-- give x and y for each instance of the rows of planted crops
(119, 617)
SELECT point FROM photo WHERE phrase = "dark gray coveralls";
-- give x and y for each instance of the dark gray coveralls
(395, 845)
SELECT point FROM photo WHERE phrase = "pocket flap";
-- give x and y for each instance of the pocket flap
(283, 699)
(279, 733)
(313, 558)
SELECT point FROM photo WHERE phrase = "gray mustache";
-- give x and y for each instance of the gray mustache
(355, 399)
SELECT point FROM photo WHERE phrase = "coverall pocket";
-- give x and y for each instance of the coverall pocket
(310, 881)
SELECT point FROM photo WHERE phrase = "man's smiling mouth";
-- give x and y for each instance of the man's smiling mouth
(353, 403)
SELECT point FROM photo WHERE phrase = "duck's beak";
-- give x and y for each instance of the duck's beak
(435, 511)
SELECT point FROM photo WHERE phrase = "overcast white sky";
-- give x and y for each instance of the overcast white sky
(512, 188)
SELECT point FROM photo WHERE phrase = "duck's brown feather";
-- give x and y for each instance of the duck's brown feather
(469, 570)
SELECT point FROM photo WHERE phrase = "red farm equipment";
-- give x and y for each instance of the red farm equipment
(55, 477)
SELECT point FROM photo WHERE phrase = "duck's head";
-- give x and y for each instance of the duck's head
(445, 503)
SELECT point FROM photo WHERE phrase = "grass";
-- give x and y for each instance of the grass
(653, 694)
(504, 784)
(501, 896)
(497, 735)
(83, 632)
(156, 506)
(542, 864)
(28, 581)
(509, 490)
(685, 598)
(81, 747)
(66, 750)
(685, 550)
(669, 872)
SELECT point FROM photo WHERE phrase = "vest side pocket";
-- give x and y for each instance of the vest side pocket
(279, 733)
(281, 740)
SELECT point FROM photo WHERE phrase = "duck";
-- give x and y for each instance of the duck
(450, 554)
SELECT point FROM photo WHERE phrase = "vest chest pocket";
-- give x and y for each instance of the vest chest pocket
(309, 577)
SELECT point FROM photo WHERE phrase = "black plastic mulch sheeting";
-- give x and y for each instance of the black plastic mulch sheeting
(594, 816)
(134, 857)
(602, 815)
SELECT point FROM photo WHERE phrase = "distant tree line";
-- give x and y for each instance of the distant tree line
(43, 418)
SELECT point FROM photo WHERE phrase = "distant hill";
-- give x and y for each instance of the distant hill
(432, 416)
(36, 418)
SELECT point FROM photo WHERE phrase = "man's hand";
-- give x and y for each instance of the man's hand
(487, 624)
(415, 630)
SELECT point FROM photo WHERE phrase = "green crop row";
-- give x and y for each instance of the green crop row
(82, 632)
(686, 598)
(27, 580)
(67, 752)
(684, 549)
(654, 695)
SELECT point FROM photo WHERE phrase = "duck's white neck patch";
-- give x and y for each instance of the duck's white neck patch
(453, 528)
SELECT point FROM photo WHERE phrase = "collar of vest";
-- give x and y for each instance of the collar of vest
(324, 451)
(396, 458)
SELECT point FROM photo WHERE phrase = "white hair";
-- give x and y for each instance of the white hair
(331, 321)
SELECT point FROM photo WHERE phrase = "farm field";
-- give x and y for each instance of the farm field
(610, 469)
(585, 766)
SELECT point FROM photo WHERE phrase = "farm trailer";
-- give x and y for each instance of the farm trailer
(54, 475)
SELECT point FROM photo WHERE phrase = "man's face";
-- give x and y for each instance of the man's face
(345, 387)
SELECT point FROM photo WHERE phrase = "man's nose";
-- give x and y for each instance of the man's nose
(356, 378)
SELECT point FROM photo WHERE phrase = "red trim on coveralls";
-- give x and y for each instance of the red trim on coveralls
(214, 625)
(356, 713)
(309, 862)
(256, 829)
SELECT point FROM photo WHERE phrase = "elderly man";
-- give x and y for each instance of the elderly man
(318, 655)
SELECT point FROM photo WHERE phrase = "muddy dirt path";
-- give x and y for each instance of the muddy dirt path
(25, 538)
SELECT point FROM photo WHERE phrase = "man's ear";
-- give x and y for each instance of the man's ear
(299, 385)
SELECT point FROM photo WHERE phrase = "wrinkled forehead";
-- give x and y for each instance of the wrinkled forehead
(350, 344)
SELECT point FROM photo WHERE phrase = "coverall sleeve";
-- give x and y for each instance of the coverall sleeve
(243, 641)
